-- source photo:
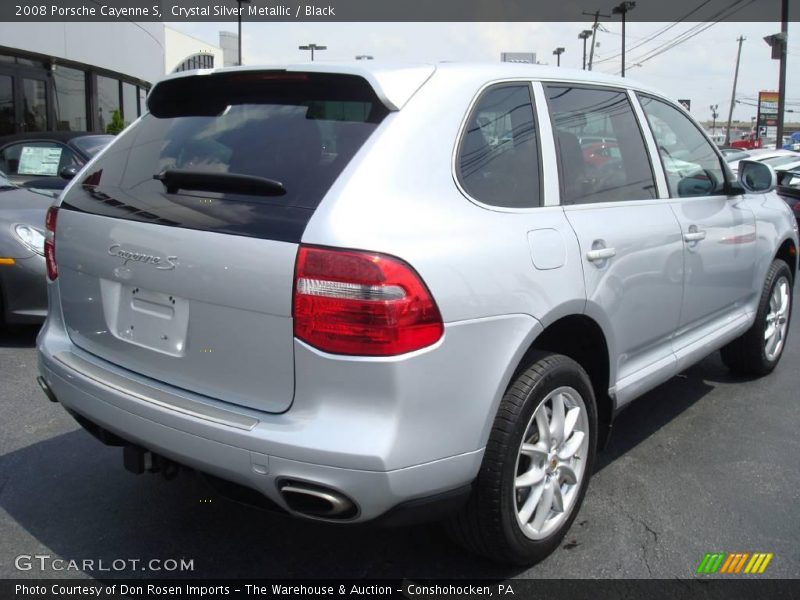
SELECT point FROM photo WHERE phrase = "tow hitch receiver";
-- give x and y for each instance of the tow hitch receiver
(137, 460)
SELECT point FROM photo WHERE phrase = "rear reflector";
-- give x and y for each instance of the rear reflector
(50, 243)
(362, 303)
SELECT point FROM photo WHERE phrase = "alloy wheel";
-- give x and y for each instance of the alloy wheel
(777, 320)
(551, 463)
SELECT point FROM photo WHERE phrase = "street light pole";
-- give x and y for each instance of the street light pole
(622, 9)
(714, 115)
(558, 52)
(240, 2)
(312, 47)
(584, 35)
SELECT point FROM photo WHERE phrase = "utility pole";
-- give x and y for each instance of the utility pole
(312, 47)
(584, 35)
(558, 52)
(740, 39)
(782, 76)
(622, 9)
(596, 14)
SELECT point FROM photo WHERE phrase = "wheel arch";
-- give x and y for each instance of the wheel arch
(787, 252)
(581, 338)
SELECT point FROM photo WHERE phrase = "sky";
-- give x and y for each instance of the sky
(700, 69)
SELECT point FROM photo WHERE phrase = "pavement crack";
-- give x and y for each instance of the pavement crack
(646, 542)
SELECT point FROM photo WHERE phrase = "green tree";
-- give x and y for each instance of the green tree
(117, 124)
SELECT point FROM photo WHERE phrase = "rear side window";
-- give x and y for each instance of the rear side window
(691, 164)
(295, 129)
(498, 158)
(601, 151)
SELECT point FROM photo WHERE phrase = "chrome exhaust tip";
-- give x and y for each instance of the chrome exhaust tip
(46, 389)
(317, 501)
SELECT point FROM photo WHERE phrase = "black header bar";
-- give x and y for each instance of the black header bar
(387, 10)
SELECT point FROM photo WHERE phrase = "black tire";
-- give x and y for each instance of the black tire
(747, 354)
(487, 524)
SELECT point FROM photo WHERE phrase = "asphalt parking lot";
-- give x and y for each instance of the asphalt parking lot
(704, 463)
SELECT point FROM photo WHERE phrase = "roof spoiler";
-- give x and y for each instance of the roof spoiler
(393, 86)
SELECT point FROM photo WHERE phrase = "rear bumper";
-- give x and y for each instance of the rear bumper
(374, 492)
(23, 287)
(376, 450)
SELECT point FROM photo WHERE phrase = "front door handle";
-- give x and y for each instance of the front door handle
(694, 234)
(600, 254)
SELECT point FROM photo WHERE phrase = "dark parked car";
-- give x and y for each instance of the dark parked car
(23, 283)
(48, 160)
(789, 189)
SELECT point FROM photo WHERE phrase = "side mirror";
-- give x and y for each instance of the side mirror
(756, 177)
(68, 172)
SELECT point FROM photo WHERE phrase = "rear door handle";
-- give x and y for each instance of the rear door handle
(601, 254)
(694, 235)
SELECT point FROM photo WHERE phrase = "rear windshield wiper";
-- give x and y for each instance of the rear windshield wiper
(179, 179)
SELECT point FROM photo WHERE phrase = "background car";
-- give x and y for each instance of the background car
(46, 161)
(792, 142)
(789, 189)
(23, 283)
(774, 158)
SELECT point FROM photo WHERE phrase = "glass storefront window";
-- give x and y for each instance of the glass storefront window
(142, 100)
(34, 104)
(129, 112)
(107, 102)
(8, 120)
(70, 99)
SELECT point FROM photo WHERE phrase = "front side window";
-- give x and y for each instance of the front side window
(45, 159)
(601, 152)
(691, 164)
(498, 159)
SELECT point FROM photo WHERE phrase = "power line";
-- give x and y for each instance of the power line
(691, 32)
(656, 34)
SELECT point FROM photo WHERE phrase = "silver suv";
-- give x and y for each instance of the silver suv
(371, 293)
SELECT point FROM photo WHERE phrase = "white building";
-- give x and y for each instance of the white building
(74, 76)
(183, 52)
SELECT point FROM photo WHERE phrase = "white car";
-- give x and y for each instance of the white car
(774, 158)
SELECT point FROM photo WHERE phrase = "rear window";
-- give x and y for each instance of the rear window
(92, 144)
(297, 130)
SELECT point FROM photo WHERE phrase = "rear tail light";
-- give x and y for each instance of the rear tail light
(50, 243)
(362, 303)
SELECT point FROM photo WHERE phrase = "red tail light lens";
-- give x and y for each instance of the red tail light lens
(50, 243)
(362, 303)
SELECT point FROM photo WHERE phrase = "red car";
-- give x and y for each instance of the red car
(599, 153)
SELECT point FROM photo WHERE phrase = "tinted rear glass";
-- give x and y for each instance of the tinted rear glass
(92, 144)
(294, 128)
